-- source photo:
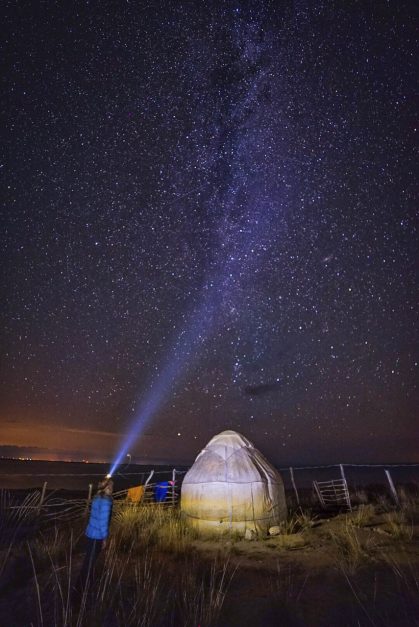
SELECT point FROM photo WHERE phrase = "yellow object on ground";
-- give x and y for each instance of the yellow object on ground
(134, 495)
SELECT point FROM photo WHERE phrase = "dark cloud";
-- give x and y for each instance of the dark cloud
(261, 389)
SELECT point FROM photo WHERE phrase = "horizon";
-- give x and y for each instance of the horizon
(167, 462)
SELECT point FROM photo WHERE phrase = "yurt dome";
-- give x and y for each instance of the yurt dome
(232, 487)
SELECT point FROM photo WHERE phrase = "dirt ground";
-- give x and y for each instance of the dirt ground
(304, 581)
(321, 576)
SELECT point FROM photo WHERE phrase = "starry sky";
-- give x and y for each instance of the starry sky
(222, 191)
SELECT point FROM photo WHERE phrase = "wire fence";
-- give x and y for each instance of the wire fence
(52, 507)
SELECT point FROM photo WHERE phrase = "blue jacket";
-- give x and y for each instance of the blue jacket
(100, 517)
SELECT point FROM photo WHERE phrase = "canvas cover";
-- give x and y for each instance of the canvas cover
(232, 487)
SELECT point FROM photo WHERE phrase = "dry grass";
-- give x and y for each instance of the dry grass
(298, 521)
(201, 595)
(14, 518)
(384, 503)
(147, 574)
(286, 586)
(397, 593)
(151, 525)
(350, 553)
(50, 545)
(362, 516)
(409, 503)
(397, 526)
(152, 574)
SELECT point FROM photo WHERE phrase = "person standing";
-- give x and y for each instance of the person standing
(97, 530)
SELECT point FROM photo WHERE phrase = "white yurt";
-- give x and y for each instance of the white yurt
(232, 487)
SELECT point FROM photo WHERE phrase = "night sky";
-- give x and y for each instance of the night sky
(211, 205)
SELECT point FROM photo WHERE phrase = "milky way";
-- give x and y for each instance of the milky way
(225, 190)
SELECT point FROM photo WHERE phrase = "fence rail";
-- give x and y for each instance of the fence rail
(65, 509)
(62, 509)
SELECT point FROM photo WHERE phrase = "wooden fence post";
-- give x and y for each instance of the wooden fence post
(174, 487)
(347, 497)
(89, 498)
(148, 479)
(41, 501)
(294, 486)
(392, 488)
(146, 484)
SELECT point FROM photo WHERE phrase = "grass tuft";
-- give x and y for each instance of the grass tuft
(297, 522)
(397, 526)
(362, 516)
(350, 551)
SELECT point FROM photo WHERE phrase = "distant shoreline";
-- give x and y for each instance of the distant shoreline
(26, 474)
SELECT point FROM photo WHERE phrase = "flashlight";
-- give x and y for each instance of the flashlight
(108, 476)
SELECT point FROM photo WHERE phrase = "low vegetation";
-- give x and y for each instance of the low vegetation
(362, 516)
(350, 551)
(398, 526)
(157, 572)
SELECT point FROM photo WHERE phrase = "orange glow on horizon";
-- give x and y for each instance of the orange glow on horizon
(45, 436)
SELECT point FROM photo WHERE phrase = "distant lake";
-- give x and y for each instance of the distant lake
(76, 476)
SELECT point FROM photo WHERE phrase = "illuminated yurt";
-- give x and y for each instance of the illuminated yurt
(232, 487)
